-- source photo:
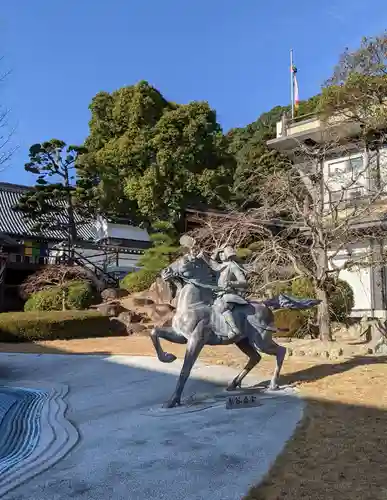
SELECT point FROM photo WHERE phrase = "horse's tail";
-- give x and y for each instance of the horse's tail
(283, 301)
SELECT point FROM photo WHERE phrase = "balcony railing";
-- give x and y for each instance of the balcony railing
(314, 124)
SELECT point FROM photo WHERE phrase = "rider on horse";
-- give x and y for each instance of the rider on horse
(232, 282)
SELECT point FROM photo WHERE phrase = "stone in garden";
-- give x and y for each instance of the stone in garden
(131, 322)
(113, 294)
(381, 348)
(118, 327)
(142, 301)
(160, 292)
(136, 328)
(110, 308)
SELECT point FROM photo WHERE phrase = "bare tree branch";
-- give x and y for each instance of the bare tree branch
(52, 275)
(6, 130)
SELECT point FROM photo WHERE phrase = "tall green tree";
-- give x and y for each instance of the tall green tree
(51, 203)
(150, 157)
(254, 160)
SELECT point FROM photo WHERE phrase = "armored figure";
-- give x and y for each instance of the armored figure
(232, 285)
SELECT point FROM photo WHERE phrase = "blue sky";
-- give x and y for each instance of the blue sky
(234, 54)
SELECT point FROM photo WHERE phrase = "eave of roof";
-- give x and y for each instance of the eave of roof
(12, 223)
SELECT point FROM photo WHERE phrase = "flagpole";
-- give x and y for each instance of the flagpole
(291, 82)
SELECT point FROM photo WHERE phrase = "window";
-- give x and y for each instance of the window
(355, 193)
(337, 196)
(336, 168)
(355, 165)
(349, 165)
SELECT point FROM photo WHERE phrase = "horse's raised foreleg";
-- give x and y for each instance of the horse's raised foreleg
(254, 358)
(195, 344)
(167, 334)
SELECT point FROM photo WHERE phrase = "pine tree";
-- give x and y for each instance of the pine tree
(51, 204)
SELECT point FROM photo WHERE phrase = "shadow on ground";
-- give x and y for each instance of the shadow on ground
(337, 453)
(322, 371)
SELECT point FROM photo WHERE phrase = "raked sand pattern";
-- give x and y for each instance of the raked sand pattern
(34, 433)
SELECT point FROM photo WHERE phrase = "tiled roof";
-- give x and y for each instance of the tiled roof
(13, 223)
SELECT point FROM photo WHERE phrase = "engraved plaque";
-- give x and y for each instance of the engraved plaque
(242, 401)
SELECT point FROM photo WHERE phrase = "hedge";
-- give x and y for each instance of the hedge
(52, 325)
(79, 295)
(341, 302)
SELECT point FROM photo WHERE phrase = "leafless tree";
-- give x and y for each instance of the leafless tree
(316, 209)
(310, 213)
(6, 129)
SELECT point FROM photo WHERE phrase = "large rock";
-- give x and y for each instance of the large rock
(130, 321)
(110, 308)
(160, 292)
(113, 294)
(381, 348)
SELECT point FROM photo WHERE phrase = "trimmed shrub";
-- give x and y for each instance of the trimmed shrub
(45, 300)
(341, 302)
(52, 325)
(293, 321)
(138, 281)
(52, 275)
(79, 295)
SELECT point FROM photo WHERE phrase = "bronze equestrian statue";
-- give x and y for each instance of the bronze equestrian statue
(212, 310)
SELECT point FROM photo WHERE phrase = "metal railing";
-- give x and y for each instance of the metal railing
(300, 118)
(71, 256)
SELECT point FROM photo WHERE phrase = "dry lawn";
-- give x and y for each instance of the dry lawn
(339, 450)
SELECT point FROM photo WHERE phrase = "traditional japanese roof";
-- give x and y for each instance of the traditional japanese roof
(12, 223)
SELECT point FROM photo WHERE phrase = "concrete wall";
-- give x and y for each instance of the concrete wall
(368, 283)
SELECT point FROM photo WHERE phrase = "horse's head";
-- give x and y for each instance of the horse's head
(183, 268)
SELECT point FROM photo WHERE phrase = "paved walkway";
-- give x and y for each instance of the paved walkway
(130, 448)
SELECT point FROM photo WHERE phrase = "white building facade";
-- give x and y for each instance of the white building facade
(347, 179)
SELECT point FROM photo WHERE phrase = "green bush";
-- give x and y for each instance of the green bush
(340, 297)
(79, 295)
(51, 325)
(341, 300)
(45, 300)
(138, 281)
(293, 321)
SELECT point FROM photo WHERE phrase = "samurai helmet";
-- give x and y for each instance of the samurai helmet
(228, 252)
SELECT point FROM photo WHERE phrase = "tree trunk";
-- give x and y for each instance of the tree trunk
(64, 296)
(71, 224)
(323, 317)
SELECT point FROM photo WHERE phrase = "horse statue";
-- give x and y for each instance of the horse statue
(200, 321)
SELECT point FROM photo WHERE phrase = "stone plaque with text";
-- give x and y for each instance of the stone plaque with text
(242, 401)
